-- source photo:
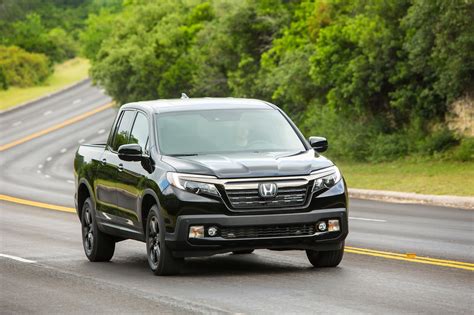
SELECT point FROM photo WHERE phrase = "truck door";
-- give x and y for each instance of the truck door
(132, 178)
(108, 172)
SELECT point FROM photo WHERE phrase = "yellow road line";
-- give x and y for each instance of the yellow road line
(416, 258)
(55, 127)
(420, 261)
(348, 249)
(36, 204)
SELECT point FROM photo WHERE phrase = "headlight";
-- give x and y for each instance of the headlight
(180, 181)
(329, 177)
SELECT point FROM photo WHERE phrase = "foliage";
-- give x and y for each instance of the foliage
(375, 77)
(21, 68)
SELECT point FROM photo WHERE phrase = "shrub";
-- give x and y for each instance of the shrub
(438, 141)
(21, 68)
(388, 147)
(465, 151)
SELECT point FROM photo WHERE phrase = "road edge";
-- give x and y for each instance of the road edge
(42, 98)
(406, 197)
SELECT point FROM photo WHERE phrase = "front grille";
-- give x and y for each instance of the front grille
(250, 199)
(264, 231)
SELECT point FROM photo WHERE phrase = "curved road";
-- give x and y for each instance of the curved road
(43, 268)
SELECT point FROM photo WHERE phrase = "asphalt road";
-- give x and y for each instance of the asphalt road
(56, 277)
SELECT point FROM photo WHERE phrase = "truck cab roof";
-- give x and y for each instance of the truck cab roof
(206, 103)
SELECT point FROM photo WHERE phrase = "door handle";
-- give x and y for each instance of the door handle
(104, 161)
(120, 167)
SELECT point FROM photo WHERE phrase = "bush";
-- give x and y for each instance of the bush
(465, 151)
(388, 147)
(438, 141)
(21, 68)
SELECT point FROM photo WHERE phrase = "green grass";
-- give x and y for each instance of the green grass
(424, 177)
(65, 74)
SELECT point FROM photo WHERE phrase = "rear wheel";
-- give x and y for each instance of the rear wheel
(98, 246)
(330, 258)
(160, 258)
(243, 252)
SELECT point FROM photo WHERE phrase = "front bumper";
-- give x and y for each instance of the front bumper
(182, 246)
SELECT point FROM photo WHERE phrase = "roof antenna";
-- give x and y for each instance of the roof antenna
(184, 96)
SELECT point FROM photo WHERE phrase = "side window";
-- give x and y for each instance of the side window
(140, 131)
(123, 131)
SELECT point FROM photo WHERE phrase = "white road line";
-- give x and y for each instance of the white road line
(49, 158)
(47, 176)
(82, 141)
(16, 123)
(366, 219)
(46, 113)
(77, 101)
(18, 258)
(63, 150)
(40, 166)
(38, 171)
(101, 131)
(70, 181)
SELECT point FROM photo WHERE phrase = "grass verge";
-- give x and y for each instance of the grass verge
(425, 177)
(65, 74)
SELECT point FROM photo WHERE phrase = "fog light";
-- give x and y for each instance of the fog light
(333, 226)
(322, 226)
(196, 231)
(212, 231)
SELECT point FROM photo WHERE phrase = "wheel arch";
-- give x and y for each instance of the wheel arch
(149, 199)
(84, 191)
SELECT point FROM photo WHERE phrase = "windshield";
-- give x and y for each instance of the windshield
(225, 131)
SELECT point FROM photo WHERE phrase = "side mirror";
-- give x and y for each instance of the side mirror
(319, 144)
(130, 152)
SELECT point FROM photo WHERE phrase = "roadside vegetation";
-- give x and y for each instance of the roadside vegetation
(36, 40)
(382, 80)
(64, 74)
(423, 176)
(375, 77)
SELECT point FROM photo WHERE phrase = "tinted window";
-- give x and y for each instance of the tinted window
(123, 131)
(140, 131)
(220, 131)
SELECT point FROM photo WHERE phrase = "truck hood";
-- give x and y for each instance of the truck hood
(237, 165)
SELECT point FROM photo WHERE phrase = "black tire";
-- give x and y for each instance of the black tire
(330, 258)
(160, 258)
(98, 246)
(243, 252)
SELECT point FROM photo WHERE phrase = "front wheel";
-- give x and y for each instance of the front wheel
(160, 258)
(98, 246)
(330, 258)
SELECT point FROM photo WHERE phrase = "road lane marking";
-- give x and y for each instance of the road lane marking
(366, 219)
(49, 158)
(101, 131)
(46, 113)
(36, 204)
(18, 258)
(81, 141)
(418, 259)
(63, 150)
(15, 124)
(348, 249)
(40, 166)
(56, 127)
(76, 101)
(70, 181)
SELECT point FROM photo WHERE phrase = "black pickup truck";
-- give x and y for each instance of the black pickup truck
(198, 177)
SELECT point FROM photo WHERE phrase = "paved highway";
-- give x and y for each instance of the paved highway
(44, 270)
